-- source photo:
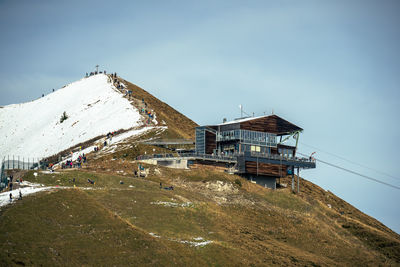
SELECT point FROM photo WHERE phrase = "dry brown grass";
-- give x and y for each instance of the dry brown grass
(178, 124)
(249, 225)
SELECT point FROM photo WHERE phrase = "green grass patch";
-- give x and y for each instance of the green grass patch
(69, 228)
(286, 200)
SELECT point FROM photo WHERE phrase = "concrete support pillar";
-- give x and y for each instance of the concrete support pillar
(298, 180)
(292, 178)
(257, 166)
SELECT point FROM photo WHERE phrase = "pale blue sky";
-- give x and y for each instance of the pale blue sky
(331, 67)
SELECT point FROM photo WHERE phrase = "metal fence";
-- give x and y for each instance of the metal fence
(16, 162)
(20, 163)
(3, 176)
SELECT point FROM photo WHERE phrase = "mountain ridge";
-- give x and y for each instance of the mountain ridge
(179, 123)
(38, 122)
(210, 218)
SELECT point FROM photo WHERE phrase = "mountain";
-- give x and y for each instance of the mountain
(93, 106)
(104, 215)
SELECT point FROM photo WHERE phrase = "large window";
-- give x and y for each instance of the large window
(248, 137)
(200, 140)
(285, 152)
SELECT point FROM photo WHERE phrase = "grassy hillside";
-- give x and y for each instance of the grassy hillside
(209, 219)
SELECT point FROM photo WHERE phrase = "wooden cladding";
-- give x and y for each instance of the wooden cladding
(210, 142)
(270, 124)
(267, 169)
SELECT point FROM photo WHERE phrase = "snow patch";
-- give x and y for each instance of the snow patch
(5, 196)
(154, 235)
(49, 172)
(27, 183)
(173, 204)
(198, 241)
(196, 244)
(155, 119)
(134, 132)
(93, 108)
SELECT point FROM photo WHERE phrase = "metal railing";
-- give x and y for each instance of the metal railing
(280, 157)
(208, 156)
(3, 176)
(154, 156)
(232, 157)
(188, 155)
(169, 142)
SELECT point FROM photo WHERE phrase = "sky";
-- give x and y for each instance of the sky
(330, 67)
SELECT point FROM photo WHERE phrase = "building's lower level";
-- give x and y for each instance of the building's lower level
(260, 168)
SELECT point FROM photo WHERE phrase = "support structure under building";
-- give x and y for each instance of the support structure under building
(265, 147)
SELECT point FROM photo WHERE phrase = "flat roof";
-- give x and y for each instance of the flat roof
(239, 120)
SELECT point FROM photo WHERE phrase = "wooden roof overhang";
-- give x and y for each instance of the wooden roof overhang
(268, 124)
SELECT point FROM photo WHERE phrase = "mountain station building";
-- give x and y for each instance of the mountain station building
(264, 147)
(261, 149)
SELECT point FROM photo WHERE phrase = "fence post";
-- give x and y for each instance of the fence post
(13, 162)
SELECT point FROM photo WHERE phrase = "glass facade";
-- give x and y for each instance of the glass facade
(285, 152)
(248, 137)
(235, 141)
(201, 140)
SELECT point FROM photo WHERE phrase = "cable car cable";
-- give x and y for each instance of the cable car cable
(350, 161)
(353, 172)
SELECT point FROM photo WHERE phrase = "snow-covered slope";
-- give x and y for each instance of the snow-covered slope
(93, 107)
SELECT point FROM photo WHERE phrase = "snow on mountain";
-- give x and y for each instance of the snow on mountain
(93, 106)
